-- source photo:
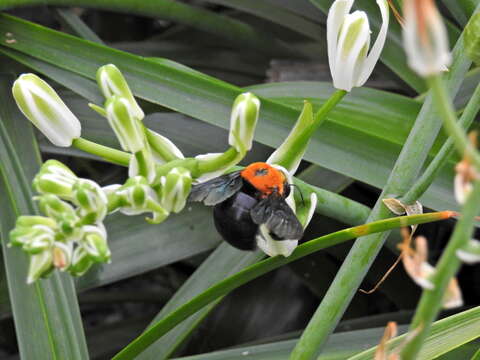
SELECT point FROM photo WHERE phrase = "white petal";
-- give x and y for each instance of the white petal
(348, 56)
(377, 47)
(274, 247)
(335, 19)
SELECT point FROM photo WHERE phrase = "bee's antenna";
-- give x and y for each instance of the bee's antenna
(300, 191)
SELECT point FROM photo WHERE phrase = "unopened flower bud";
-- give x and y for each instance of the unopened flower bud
(127, 127)
(138, 197)
(425, 38)
(243, 121)
(81, 262)
(111, 82)
(95, 243)
(176, 186)
(55, 178)
(33, 233)
(44, 108)
(91, 200)
(40, 265)
(348, 38)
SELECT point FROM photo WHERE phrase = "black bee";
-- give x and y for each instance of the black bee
(247, 199)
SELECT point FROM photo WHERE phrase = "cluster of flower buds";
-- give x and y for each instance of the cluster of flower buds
(71, 236)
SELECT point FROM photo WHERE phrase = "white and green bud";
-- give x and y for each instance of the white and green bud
(125, 124)
(53, 207)
(138, 197)
(289, 154)
(91, 200)
(111, 82)
(44, 108)
(243, 121)
(55, 178)
(162, 148)
(40, 265)
(176, 186)
(95, 243)
(81, 262)
(348, 39)
(33, 233)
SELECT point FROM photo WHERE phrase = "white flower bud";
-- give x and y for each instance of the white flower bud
(55, 178)
(425, 38)
(44, 108)
(91, 200)
(111, 82)
(40, 265)
(243, 121)
(348, 38)
(95, 243)
(176, 186)
(127, 127)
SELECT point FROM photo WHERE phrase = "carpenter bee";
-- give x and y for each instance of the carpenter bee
(247, 199)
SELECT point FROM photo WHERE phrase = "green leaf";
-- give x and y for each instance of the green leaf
(361, 138)
(445, 335)
(461, 9)
(46, 314)
(278, 15)
(138, 247)
(223, 262)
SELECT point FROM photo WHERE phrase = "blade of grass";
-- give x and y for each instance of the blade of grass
(70, 19)
(236, 32)
(224, 287)
(461, 9)
(365, 249)
(278, 15)
(445, 335)
(46, 314)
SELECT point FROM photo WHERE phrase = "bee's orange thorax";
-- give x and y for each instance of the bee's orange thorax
(264, 178)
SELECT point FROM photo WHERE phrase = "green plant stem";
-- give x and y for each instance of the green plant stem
(206, 166)
(224, 287)
(448, 265)
(365, 249)
(107, 153)
(327, 106)
(428, 176)
(447, 112)
(234, 31)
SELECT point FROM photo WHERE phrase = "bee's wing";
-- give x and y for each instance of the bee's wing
(215, 191)
(278, 217)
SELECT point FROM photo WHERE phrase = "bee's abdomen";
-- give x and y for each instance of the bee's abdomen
(233, 221)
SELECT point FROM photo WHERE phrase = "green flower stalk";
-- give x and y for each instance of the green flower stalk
(162, 148)
(111, 83)
(44, 108)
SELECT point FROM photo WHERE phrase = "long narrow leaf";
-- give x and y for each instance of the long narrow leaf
(47, 318)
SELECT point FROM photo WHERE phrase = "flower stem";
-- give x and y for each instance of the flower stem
(322, 113)
(105, 152)
(422, 184)
(447, 112)
(222, 288)
(448, 265)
